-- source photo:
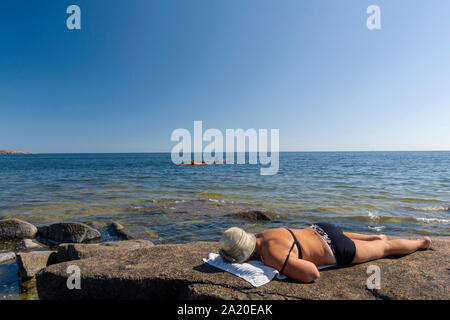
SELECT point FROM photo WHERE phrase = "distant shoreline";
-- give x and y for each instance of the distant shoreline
(13, 152)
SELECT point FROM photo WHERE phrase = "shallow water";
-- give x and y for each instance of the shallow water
(397, 193)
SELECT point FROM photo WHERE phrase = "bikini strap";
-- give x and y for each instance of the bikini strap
(299, 249)
(292, 247)
(287, 258)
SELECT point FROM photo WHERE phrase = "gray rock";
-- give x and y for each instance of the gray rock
(28, 244)
(178, 272)
(6, 256)
(73, 251)
(30, 263)
(68, 232)
(16, 229)
(255, 215)
(120, 231)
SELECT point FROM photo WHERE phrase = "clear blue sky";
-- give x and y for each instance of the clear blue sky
(140, 69)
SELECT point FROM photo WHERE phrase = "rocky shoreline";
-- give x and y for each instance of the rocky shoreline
(138, 269)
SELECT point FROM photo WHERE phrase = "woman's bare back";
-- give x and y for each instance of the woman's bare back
(276, 244)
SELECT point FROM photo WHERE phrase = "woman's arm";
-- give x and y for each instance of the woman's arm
(297, 269)
(301, 270)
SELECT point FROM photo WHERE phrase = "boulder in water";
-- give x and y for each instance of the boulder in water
(28, 244)
(16, 229)
(120, 231)
(256, 215)
(68, 232)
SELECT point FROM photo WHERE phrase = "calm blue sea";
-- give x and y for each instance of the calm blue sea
(398, 193)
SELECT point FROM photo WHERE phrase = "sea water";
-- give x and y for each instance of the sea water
(395, 193)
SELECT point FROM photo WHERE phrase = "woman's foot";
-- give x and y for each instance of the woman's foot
(426, 242)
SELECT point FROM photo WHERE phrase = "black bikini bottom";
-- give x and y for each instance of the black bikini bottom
(342, 246)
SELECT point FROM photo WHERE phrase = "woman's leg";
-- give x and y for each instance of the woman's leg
(365, 237)
(372, 250)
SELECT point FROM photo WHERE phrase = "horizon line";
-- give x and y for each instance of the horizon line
(306, 151)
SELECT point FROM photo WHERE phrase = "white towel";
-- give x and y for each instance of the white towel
(253, 271)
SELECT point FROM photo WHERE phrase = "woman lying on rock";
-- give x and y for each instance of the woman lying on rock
(296, 253)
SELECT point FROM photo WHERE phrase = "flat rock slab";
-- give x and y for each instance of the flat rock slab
(74, 251)
(7, 256)
(178, 272)
(30, 263)
(16, 229)
(68, 232)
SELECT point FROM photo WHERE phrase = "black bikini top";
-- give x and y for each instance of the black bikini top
(296, 243)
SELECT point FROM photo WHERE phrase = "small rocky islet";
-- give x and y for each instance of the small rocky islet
(137, 269)
(4, 151)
